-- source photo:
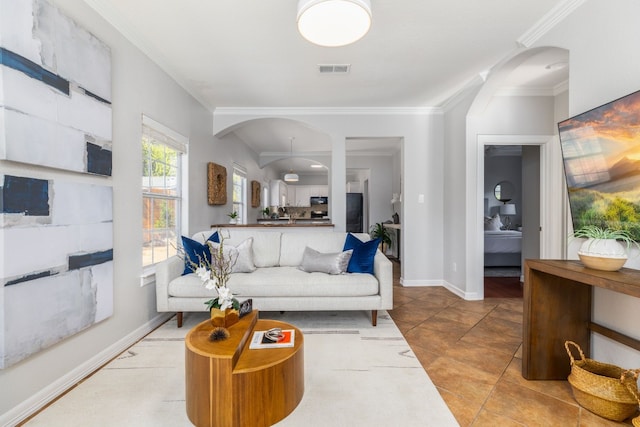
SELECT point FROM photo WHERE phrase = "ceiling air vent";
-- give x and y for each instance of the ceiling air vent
(334, 68)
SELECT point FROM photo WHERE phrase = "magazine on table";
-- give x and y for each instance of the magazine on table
(273, 338)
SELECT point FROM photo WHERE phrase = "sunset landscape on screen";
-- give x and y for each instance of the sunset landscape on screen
(601, 152)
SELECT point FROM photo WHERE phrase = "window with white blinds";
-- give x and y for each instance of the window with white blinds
(163, 153)
(240, 193)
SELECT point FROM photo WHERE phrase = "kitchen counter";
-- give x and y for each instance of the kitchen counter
(285, 220)
(278, 224)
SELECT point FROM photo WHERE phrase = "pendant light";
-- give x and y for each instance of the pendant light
(333, 23)
(291, 176)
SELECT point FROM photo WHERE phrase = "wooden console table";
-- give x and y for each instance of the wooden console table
(228, 384)
(557, 307)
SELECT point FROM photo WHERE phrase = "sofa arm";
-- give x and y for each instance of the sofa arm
(166, 271)
(383, 270)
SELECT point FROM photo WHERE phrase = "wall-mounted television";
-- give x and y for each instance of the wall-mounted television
(601, 154)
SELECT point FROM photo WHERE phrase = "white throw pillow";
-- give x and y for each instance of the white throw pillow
(331, 263)
(493, 223)
(242, 254)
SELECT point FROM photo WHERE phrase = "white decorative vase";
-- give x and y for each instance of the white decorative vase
(603, 254)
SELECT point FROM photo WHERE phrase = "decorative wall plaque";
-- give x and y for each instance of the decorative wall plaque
(216, 184)
(255, 194)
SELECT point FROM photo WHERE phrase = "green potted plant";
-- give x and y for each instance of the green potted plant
(233, 217)
(266, 212)
(380, 231)
(605, 248)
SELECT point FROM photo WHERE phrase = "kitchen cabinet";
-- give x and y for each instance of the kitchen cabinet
(319, 190)
(291, 195)
(303, 194)
(300, 195)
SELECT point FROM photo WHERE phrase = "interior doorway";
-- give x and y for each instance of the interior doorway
(518, 162)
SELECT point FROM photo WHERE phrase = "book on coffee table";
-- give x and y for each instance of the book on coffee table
(261, 340)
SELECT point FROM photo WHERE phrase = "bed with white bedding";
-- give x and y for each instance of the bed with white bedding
(502, 248)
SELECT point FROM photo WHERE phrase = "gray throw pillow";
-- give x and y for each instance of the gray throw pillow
(242, 254)
(332, 263)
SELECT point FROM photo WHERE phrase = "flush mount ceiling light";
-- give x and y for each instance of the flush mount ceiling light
(334, 23)
(291, 176)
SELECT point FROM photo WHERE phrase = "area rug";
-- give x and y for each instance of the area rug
(502, 272)
(355, 375)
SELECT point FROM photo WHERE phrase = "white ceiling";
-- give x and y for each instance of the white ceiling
(248, 53)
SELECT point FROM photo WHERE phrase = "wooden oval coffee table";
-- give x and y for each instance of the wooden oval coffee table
(228, 384)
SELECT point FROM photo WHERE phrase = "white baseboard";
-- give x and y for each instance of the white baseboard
(39, 400)
(469, 296)
(410, 283)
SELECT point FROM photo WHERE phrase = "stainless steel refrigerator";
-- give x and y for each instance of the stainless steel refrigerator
(354, 212)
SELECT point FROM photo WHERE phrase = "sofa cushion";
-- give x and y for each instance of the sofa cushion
(331, 263)
(266, 244)
(293, 245)
(280, 282)
(363, 254)
(196, 251)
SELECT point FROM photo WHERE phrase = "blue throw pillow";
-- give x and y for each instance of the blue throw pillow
(363, 253)
(195, 251)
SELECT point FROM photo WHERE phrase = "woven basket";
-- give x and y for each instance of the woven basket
(604, 389)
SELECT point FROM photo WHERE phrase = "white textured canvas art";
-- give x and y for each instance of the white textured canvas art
(55, 90)
(57, 261)
(56, 235)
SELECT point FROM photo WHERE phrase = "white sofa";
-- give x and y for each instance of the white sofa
(278, 284)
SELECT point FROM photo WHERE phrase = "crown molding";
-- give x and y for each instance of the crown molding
(324, 111)
(288, 154)
(548, 21)
(561, 87)
(533, 91)
(464, 90)
(279, 155)
(524, 91)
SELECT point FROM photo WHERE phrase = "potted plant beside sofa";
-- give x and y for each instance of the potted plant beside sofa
(380, 231)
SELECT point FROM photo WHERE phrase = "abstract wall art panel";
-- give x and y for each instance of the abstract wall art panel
(55, 90)
(56, 262)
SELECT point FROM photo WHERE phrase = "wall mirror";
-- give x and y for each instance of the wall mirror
(504, 191)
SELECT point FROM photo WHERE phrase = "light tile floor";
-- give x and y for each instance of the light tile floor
(472, 353)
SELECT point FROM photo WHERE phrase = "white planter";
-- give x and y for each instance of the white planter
(603, 254)
(233, 221)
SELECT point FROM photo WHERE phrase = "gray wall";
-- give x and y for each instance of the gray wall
(454, 205)
(224, 152)
(530, 202)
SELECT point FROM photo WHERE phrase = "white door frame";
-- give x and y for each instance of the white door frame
(546, 240)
